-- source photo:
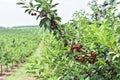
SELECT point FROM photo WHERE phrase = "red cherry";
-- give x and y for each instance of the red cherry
(55, 23)
(91, 62)
(76, 47)
(85, 56)
(92, 54)
(79, 50)
(80, 46)
(32, 14)
(44, 15)
(35, 14)
(79, 60)
(114, 72)
(108, 70)
(82, 60)
(95, 59)
(73, 47)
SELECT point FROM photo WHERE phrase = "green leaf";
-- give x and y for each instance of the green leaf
(27, 10)
(43, 21)
(115, 56)
(31, 4)
(25, 7)
(58, 18)
(54, 5)
(49, 16)
(47, 23)
(51, 1)
(118, 2)
(112, 40)
(111, 53)
(20, 3)
(87, 78)
(37, 17)
(39, 1)
(38, 6)
(54, 10)
(42, 12)
(118, 30)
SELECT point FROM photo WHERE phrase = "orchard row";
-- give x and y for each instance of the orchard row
(17, 44)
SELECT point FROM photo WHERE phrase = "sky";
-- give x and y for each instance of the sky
(13, 15)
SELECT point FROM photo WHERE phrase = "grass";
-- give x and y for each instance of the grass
(19, 74)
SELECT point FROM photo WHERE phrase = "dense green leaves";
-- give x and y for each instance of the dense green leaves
(59, 62)
(17, 44)
(85, 48)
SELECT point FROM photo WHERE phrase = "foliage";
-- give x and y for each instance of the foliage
(101, 11)
(17, 44)
(85, 48)
(43, 9)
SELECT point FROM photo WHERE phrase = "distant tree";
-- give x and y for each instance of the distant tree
(100, 10)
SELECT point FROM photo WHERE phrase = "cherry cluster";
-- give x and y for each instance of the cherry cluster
(90, 58)
(86, 58)
(76, 47)
(52, 20)
(33, 14)
(44, 15)
(54, 23)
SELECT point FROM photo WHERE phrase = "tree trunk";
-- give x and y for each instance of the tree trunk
(7, 67)
(12, 65)
(1, 69)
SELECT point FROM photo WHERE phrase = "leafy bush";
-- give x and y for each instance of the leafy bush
(83, 49)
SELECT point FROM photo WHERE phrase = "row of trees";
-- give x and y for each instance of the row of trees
(16, 45)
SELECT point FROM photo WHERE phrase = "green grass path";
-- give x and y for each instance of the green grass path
(19, 74)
